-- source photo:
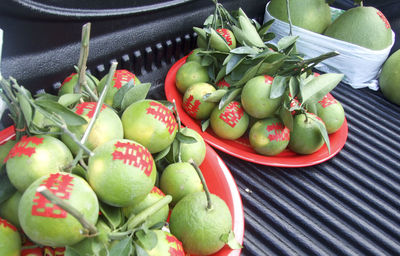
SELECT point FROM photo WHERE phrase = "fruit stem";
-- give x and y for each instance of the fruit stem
(289, 18)
(178, 120)
(84, 52)
(91, 229)
(203, 182)
(139, 218)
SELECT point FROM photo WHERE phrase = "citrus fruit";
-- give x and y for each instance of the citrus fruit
(193, 56)
(154, 195)
(306, 138)
(35, 156)
(121, 77)
(151, 124)
(46, 223)
(10, 240)
(230, 122)
(331, 112)
(69, 83)
(179, 180)
(269, 136)
(167, 245)
(197, 227)
(191, 72)
(108, 126)
(223, 40)
(5, 149)
(313, 15)
(389, 79)
(9, 209)
(121, 172)
(363, 26)
(255, 97)
(193, 102)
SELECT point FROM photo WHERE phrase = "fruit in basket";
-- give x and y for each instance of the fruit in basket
(269, 136)
(331, 111)
(167, 245)
(151, 124)
(389, 79)
(193, 56)
(193, 101)
(121, 77)
(35, 156)
(69, 83)
(46, 223)
(313, 15)
(10, 239)
(191, 72)
(230, 122)
(121, 172)
(108, 126)
(222, 39)
(178, 180)
(9, 209)
(256, 99)
(305, 137)
(363, 26)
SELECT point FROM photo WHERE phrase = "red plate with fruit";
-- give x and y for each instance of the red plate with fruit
(241, 148)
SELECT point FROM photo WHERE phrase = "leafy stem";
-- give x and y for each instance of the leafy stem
(203, 182)
(83, 57)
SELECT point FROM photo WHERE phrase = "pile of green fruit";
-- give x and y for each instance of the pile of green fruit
(98, 168)
(238, 84)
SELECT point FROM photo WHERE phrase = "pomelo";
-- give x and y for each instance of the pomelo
(389, 79)
(10, 239)
(193, 101)
(191, 72)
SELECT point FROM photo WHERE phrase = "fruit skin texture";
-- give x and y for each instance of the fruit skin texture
(50, 156)
(167, 245)
(197, 228)
(9, 209)
(305, 138)
(331, 112)
(230, 122)
(313, 15)
(10, 240)
(53, 227)
(151, 124)
(69, 82)
(255, 97)
(108, 126)
(194, 104)
(121, 172)
(191, 72)
(269, 136)
(363, 26)
(389, 79)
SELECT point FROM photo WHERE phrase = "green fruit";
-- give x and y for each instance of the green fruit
(108, 126)
(69, 83)
(179, 180)
(151, 124)
(331, 112)
(193, 56)
(230, 122)
(47, 224)
(167, 245)
(35, 156)
(151, 198)
(313, 15)
(10, 240)
(255, 97)
(306, 138)
(269, 136)
(121, 77)
(363, 26)
(5, 149)
(190, 73)
(389, 79)
(121, 172)
(222, 40)
(198, 228)
(9, 209)
(193, 101)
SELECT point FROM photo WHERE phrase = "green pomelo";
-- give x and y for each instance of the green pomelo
(331, 112)
(9, 209)
(313, 15)
(71, 81)
(10, 239)
(193, 55)
(230, 122)
(167, 245)
(36, 156)
(47, 224)
(193, 101)
(389, 79)
(151, 124)
(121, 172)
(190, 73)
(363, 26)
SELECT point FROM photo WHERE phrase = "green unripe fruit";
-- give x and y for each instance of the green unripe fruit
(9, 209)
(167, 245)
(194, 103)
(10, 240)
(193, 56)
(190, 73)
(389, 79)
(71, 81)
(331, 112)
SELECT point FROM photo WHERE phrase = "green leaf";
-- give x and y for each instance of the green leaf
(294, 85)
(185, 138)
(251, 72)
(46, 96)
(120, 94)
(221, 74)
(122, 247)
(204, 124)
(245, 50)
(140, 251)
(324, 134)
(162, 154)
(69, 99)
(286, 42)
(78, 170)
(69, 251)
(229, 96)
(265, 27)
(25, 106)
(6, 188)
(286, 116)
(136, 93)
(230, 240)
(215, 96)
(113, 215)
(233, 63)
(147, 239)
(278, 87)
(317, 88)
(68, 115)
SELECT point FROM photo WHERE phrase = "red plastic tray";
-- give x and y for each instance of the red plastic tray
(241, 148)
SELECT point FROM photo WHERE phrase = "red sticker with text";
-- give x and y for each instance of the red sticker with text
(7, 224)
(232, 114)
(178, 251)
(49, 251)
(278, 132)
(157, 191)
(87, 108)
(223, 84)
(225, 33)
(191, 106)
(22, 147)
(163, 114)
(122, 77)
(66, 80)
(268, 79)
(382, 16)
(327, 100)
(60, 185)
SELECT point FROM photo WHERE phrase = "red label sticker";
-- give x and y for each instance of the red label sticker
(21, 147)
(135, 155)
(121, 77)
(387, 24)
(60, 185)
(7, 224)
(232, 114)
(223, 84)
(191, 108)
(66, 80)
(327, 100)
(49, 251)
(157, 191)
(268, 79)
(163, 114)
(225, 33)
(281, 132)
(90, 106)
(179, 248)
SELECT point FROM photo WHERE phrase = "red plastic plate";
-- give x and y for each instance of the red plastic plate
(241, 148)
